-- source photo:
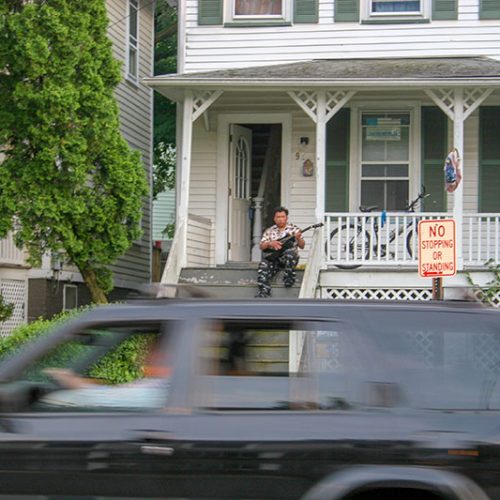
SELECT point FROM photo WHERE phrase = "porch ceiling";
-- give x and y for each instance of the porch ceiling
(354, 73)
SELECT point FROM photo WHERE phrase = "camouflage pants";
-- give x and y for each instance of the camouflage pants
(288, 260)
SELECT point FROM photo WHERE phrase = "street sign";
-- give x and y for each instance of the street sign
(436, 248)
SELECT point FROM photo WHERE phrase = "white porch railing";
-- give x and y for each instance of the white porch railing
(9, 253)
(355, 239)
(481, 238)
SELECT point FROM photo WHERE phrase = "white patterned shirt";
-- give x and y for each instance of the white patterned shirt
(274, 233)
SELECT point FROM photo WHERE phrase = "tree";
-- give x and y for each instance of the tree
(69, 183)
(165, 62)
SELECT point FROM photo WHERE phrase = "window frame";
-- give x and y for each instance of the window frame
(132, 42)
(357, 109)
(231, 18)
(66, 287)
(368, 16)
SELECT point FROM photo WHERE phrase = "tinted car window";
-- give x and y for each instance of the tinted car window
(443, 361)
(85, 371)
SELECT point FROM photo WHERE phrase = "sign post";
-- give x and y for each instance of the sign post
(437, 252)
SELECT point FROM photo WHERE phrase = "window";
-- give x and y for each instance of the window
(385, 10)
(70, 297)
(78, 373)
(385, 165)
(245, 366)
(132, 41)
(489, 160)
(258, 10)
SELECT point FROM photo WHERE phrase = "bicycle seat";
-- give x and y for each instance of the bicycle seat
(371, 208)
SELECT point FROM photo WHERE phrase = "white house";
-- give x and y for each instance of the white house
(327, 105)
(52, 288)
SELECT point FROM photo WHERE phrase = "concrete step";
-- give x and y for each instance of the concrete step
(236, 282)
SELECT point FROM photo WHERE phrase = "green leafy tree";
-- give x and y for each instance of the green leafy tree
(165, 63)
(69, 183)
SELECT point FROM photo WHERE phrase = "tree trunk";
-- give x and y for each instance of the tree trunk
(97, 294)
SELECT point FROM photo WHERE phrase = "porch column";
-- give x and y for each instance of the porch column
(320, 155)
(458, 199)
(185, 172)
(321, 106)
(194, 106)
(458, 104)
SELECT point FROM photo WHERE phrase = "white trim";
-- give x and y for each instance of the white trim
(181, 36)
(128, 76)
(221, 210)
(357, 108)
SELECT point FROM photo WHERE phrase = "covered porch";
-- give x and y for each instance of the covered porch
(305, 99)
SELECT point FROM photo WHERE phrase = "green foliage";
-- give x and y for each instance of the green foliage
(165, 62)
(69, 179)
(488, 293)
(164, 168)
(124, 364)
(6, 309)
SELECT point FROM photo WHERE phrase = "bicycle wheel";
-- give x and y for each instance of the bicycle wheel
(412, 242)
(352, 241)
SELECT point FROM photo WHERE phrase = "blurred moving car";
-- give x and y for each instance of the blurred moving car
(275, 399)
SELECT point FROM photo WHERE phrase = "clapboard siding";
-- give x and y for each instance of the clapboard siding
(135, 102)
(199, 240)
(163, 214)
(216, 47)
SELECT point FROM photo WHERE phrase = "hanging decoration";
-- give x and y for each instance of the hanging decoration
(452, 172)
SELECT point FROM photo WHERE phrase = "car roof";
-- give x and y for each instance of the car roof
(160, 309)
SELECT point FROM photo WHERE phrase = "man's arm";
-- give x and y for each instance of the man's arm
(300, 240)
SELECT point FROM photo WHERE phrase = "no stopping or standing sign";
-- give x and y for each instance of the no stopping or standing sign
(436, 248)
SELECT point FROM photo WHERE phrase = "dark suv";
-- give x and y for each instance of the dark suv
(259, 399)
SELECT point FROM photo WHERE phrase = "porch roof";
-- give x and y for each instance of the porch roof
(354, 73)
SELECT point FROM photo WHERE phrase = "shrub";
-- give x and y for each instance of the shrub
(123, 364)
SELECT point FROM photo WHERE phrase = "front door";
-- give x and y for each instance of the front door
(240, 160)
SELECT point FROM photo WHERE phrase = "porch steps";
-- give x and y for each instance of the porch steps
(266, 351)
(236, 281)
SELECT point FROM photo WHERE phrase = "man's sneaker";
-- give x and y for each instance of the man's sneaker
(262, 295)
(289, 283)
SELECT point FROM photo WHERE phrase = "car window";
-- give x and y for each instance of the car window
(435, 360)
(443, 360)
(102, 368)
(282, 366)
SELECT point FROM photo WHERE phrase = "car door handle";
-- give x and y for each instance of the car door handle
(150, 449)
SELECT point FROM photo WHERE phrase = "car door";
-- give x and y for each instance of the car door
(97, 440)
(257, 428)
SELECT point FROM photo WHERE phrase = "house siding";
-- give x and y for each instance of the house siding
(135, 102)
(217, 47)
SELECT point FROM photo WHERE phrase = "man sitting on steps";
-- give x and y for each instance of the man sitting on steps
(276, 256)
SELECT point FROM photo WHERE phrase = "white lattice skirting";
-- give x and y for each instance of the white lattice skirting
(13, 292)
(377, 293)
(387, 294)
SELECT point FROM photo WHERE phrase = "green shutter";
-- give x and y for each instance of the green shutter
(346, 10)
(444, 9)
(305, 11)
(337, 163)
(489, 9)
(489, 160)
(434, 150)
(209, 11)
